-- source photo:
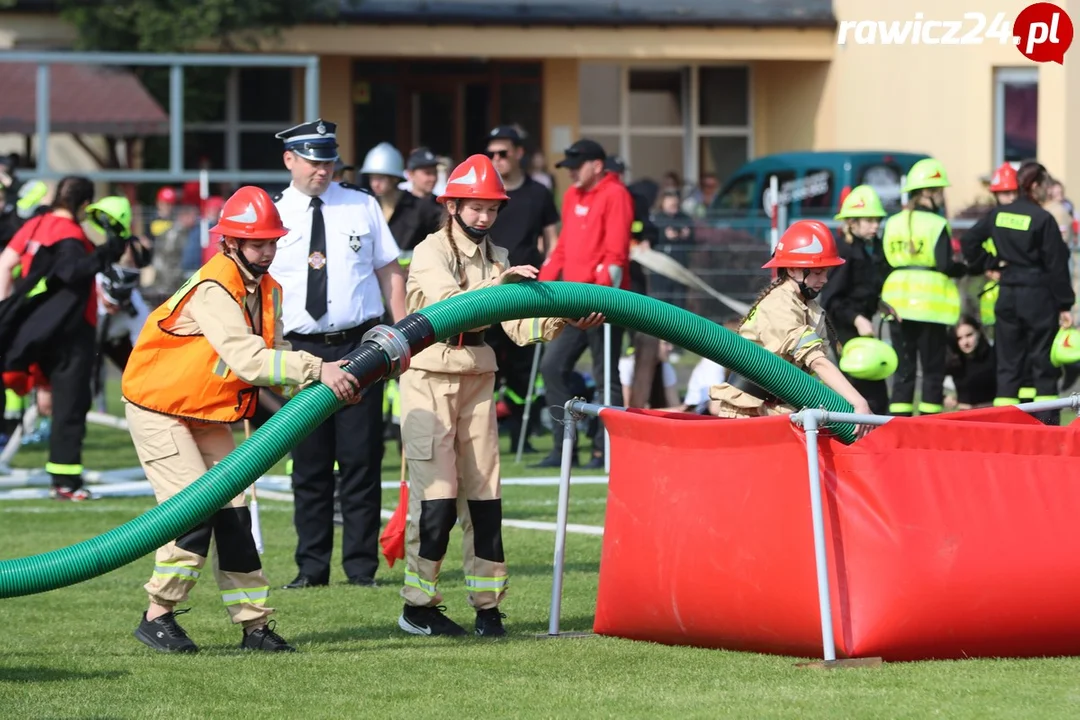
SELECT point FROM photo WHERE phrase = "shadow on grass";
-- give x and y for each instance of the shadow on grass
(389, 637)
(48, 674)
(548, 570)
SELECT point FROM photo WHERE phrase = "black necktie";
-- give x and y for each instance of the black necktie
(316, 277)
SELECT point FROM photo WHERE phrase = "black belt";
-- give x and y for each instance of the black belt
(338, 337)
(475, 339)
(740, 383)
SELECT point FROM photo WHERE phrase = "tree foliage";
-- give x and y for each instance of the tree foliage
(183, 25)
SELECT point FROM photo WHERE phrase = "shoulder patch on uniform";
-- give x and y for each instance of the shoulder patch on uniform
(357, 188)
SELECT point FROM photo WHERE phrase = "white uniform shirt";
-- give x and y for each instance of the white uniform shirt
(358, 242)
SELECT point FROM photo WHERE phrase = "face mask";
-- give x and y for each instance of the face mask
(475, 234)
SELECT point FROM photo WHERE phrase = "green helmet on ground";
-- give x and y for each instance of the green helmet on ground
(868, 358)
(114, 210)
(861, 202)
(1066, 347)
(927, 173)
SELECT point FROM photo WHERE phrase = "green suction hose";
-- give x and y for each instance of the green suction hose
(230, 477)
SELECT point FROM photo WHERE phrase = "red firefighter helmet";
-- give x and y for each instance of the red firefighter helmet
(475, 179)
(250, 214)
(1004, 179)
(806, 244)
(167, 194)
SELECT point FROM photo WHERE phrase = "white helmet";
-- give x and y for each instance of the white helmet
(384, 159)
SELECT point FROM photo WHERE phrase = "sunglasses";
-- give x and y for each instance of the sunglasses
(502, 154)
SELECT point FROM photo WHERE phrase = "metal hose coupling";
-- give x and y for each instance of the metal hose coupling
(394, 345)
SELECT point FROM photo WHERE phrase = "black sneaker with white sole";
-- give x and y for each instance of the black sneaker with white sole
(428, 620)
(489, 623)
(164, 634)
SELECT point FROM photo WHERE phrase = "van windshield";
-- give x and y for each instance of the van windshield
(738, 196)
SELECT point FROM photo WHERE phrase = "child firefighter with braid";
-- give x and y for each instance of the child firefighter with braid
(786, 320)
(448, 425)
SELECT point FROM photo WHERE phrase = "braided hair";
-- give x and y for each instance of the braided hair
(781, 278)
(459, 269)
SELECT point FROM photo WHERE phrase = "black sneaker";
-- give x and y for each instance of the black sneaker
(265, 639)
(489, 623)
(428, 620)
(165, 634)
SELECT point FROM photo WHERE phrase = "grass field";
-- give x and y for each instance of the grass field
(70, 653)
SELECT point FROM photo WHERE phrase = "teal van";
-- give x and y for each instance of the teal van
(732, 241)
(812, 184)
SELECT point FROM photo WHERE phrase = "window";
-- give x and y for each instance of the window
(600, 92)
(687, 119)
(253, 110)
(725, 96)
(656, 98)
(1016, 114)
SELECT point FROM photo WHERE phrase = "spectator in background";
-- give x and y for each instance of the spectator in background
(168, 271)
(163, 211)
(1060, 208)
(593, 247)
(410, 218)
(195, 254)
(971, 363)
(421, 169)
(663, 391)
(344, 173)
(699, 201)
(538, 170)
(526, 227)
(671, 183)
(676, 235)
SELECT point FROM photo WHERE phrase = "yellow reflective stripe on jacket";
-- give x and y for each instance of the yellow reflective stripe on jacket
(414, 580)
(275, 294)
(276, 363)
(988, 301)
(486, 584)
(808, 339)
(63, 469)
(922, 295)
(221, 369)
(246, 596)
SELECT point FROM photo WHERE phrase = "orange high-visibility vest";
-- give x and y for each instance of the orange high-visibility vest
(182, 375)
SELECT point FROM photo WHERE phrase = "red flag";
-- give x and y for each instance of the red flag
(392, 539)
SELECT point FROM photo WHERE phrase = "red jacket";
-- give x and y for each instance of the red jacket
(595, 234)
(46, 230)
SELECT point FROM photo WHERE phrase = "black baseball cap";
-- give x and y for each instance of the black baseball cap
(507, 132)
(615, 164)
(421, 157)
(580, 153)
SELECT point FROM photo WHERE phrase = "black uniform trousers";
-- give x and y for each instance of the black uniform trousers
(514, 367)
(70, 368)
(1024, 331)
(557, 366)
(918, 343)
(353, 437)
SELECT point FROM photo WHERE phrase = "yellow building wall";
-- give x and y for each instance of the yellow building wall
(939, 99)
(561, 110)
(786, 99)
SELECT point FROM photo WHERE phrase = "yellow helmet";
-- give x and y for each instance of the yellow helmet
(861, 202)
(868, 358)
(1066, 347)
(927, 173)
